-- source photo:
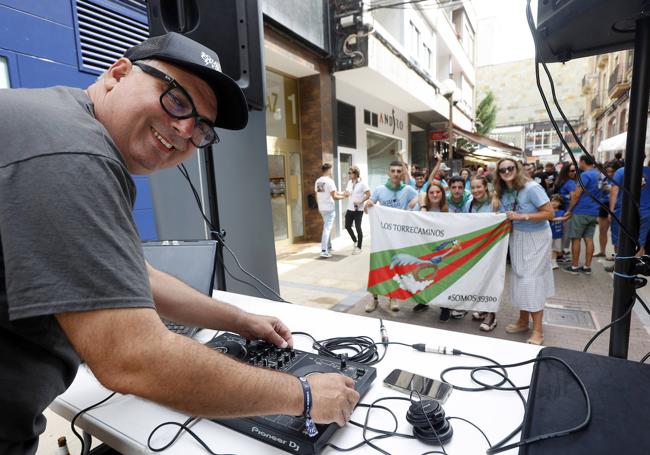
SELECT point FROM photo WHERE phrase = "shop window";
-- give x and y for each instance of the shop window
(346, 125)
(366, 116)
(4, 73)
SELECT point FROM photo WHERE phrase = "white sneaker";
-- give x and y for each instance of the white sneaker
(372, 304)
(325, 254)
(356, 250)
(393, 304)
(555, 266)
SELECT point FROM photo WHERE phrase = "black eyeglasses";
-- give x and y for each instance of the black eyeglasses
(571, 170)
(506, 170)
(178, 104)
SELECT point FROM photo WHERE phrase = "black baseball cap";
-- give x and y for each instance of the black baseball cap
(232, 108)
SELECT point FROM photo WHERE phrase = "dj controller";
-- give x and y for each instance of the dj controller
(288, 432)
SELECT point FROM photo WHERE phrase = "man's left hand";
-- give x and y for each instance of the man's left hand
(267, 328)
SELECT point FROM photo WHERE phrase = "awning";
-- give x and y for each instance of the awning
(617, 143)
(488, 142)
(490, 153)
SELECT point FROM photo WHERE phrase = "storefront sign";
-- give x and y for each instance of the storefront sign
(439, 136)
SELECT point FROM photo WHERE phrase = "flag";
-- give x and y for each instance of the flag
(454, 260)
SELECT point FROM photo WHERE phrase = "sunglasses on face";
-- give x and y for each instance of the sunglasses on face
(506, 169)
(571, 171)
(177, 103)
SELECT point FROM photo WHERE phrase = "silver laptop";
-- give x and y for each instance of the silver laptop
(191, 261)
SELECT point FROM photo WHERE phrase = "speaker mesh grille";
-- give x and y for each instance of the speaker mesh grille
(104, 34)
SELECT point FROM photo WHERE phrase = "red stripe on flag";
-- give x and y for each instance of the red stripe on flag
(384, 273)
(402, 294)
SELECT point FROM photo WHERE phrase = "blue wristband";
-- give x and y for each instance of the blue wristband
(310, 426)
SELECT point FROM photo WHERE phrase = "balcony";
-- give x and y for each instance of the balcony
(587, 84)
(596, 105)
(601, 61)
(618, 83)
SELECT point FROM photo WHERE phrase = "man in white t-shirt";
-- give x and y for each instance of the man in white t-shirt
(358, 192)
(326, 193)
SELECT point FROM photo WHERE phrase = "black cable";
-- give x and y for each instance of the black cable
(531, 25)
(364, 348)
(644, 358)
(80, 413)
(616, 321)
(183, 427)
(499, 370)
(183, 170)
(218, 235)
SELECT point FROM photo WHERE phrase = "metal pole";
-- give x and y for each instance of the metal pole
(451, 127)
(634, 155)
(220, 275)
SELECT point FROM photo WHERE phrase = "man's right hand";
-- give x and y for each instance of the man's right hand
(334, 398)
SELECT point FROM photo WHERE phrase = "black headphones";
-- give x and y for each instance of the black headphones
(429, 422)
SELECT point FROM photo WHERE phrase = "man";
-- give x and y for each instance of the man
(490, 172)
(549, 177)
(530, 170)
(419, 184)
(618, 160)
(74, 285)
(458, 198)
(326, 194)
(615, 204)
(583, 210)
(394, 194)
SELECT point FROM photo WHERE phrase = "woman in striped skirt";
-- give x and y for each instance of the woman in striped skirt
(531, 278)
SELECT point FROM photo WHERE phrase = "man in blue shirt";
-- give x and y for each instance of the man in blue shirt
(615, 203)
(583, 209)
(396, 194)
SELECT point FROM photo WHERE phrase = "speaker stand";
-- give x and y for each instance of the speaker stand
(624, 290)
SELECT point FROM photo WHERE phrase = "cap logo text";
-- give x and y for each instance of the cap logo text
(209, 61)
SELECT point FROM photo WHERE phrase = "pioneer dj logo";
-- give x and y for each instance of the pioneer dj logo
(209, 61)
(271, 437)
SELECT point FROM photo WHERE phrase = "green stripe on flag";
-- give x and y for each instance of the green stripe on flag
(382, 258)
(438, 287)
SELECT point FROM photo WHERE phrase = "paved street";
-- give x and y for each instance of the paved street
(580, 307)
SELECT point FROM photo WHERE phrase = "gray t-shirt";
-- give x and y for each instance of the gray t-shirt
(68, 243)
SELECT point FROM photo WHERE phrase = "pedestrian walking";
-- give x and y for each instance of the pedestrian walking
(326, 194)
(358, 193)
(531, 278)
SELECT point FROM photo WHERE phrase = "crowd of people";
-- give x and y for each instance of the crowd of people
(554, 208)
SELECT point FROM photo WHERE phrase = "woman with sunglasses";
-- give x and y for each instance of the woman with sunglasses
(531, 278)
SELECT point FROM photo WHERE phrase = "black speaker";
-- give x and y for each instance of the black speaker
(571, 29)
(232, 28)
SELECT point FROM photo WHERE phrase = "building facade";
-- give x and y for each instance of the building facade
(606, 86)
(521, 118)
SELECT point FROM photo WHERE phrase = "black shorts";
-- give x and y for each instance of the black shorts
(602, 213)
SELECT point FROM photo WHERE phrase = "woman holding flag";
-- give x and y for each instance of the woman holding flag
(481, 203)
(527, 205)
